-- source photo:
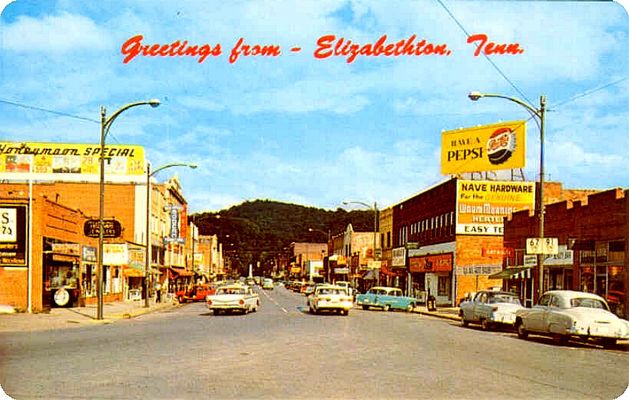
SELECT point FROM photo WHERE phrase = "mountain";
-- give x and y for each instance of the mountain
(261, 229)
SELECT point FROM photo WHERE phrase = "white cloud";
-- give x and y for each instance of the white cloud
(55, 34)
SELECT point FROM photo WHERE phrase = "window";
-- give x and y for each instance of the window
(443, 286)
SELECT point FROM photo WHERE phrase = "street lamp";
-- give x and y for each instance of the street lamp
(105, 124)
(374, 208)
(147, 248)
(538, 113)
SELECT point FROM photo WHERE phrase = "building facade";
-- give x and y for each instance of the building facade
(592, 237)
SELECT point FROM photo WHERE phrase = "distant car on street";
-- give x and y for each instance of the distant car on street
(233, 298)
(490, 308)
(195, 293)
(267, 284)
(330, 298)
(568, 314)
(386, 298)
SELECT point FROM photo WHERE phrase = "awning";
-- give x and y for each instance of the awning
(369, 275)
(513, 273)
(176, 273)
(133, 273)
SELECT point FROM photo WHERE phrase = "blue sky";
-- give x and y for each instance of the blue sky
(294, 128)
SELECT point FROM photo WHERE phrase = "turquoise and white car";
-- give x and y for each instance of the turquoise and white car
(386, 298)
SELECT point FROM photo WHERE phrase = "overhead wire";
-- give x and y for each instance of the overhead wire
(13, 103)
(504, 76)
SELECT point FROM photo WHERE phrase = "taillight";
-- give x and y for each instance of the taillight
(241, 302)
(494, 309)
(209, 302)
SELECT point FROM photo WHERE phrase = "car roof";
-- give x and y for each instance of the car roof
(385, 288)
(573, 293)
(497, 292)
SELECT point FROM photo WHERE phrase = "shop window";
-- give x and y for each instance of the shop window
(587, 256)
(616, 251)
(601, 252)
(443, 286)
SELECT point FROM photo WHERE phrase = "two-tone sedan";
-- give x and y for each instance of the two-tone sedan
(490, 308)
(386, 298)
(568, 314)
(240, 298)
(330, 298)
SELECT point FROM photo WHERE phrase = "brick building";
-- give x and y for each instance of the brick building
(593, 235)
(448, 239)
(32, 271)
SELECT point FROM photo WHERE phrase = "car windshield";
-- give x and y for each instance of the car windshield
(587, 302)
(504, 298)
(231, 291)
(331, 291)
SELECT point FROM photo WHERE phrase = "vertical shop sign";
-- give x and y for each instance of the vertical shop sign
(13, 240)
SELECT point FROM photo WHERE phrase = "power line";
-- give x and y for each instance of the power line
(47, 110)
(504, 76)
(589, 92)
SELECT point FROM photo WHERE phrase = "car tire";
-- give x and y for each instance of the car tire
(560, 340)
(386, 307)
(464, 322)
(519, 327)
(410, 307)
(608, 343)
(486, 325)
(365, 307)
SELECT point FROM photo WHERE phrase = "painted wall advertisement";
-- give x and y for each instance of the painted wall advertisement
(13, 243)
(483, 148)
(481, 205)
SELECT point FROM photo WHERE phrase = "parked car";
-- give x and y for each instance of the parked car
(267, 284)
(330, 298)
(568, 314)
(490, 308)
(195, 293)
(233, 298)
(386, 298)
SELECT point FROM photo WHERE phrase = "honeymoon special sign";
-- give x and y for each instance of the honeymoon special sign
(326, 46)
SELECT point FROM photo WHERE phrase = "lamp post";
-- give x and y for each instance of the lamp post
(538, 113)
(105, 124)
(374, 208)
(147, 247)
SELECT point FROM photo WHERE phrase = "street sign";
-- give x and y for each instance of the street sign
(111, 228)
(542, 245)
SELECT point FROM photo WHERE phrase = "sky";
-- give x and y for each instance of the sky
(297, 124)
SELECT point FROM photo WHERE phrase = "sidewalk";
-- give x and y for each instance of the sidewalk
(78, 316)
(441, 312)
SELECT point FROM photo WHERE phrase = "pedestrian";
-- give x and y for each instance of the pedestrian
(158, 290)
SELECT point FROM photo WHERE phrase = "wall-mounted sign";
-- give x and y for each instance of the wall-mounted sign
(483, 148)
(13, 243)
(431, 263)
(115, 254)
(69, 161)
(111, 228)
(482, 205)
(542, 245)
(398, 257)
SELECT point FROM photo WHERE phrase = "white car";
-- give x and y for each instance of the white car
(233, 298)
(567, 314)
(330, 298)
(490, 308)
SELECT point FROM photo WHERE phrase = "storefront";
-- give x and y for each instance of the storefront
(432, 276)
(88, 274)
(61, 274)
(601, 271)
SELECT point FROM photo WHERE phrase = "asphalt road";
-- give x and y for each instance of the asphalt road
(283, 352)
